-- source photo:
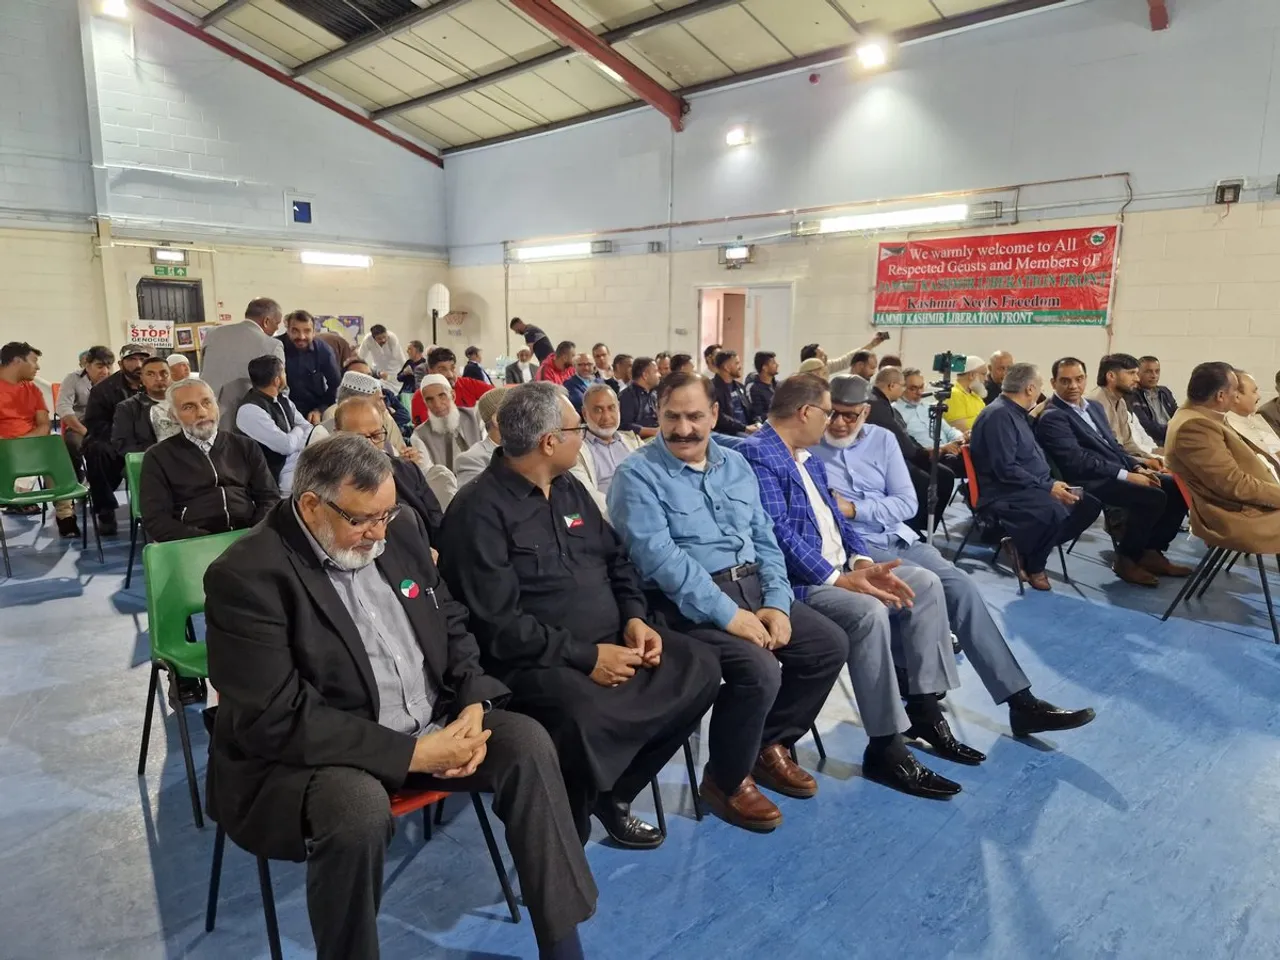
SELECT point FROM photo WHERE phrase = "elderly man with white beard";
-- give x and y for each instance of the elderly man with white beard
(604, 446)
(449, 431)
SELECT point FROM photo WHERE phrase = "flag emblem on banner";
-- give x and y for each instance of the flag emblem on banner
(1097, 238)
(887, 251)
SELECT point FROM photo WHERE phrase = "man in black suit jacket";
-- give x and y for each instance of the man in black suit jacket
(345, 671)
(1078, 440)
(475, 367)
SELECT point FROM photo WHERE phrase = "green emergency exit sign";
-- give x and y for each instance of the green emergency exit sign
(161, 271)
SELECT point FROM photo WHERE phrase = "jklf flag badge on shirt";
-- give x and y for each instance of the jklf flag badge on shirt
(573, 521)
(409, 588)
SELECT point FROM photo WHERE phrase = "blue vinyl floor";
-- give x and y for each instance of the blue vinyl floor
(1152, 833)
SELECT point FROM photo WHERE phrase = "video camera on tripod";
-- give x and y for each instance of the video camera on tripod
(946, 364)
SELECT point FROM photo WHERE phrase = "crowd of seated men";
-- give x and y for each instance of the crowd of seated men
(397, 616)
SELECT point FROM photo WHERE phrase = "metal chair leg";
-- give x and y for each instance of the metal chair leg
(691, 769)
(496, 856)
(658, 809)
(269, 909)
(133, 549)
(215, 879)
(1209, 557)
(1063, 557)
(181, 711)
(146, 719)
(440, 812)
(1266, 592)
(426, 824)
(817, 742)
(97, 537)
(4, 545)
(1232, 563)
(1212, 573)
(967, 534)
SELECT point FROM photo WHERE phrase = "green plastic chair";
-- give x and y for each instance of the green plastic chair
(175, 592)
(133, 482)
(42, 457)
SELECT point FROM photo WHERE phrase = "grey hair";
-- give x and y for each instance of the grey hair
(911, 372)
(530, 412)
(342, 458)
(185, 384)
(597, 388)
(887, 375)
(1019, 377)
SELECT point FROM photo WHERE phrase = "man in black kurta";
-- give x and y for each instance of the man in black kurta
(561, 618)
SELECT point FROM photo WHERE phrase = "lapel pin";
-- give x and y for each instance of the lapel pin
(409, 589)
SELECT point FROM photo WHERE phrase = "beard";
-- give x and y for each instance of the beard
(349, 558)
(203, 430)
(447, 424)
(842, 443)
(604, 433)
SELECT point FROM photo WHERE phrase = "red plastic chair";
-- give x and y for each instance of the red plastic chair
(971, 478)
(403, 803)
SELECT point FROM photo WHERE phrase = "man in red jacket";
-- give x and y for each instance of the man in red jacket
(466, 392)
(559, 366)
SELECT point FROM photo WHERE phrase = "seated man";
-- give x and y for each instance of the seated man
(1152, 402)
(132, 429)
(914, 409)
(1077, 438)
(559, 366)
(414, 368)
(561, 618)
(1269, 411)
(867, 472)
(390, 399)
(762, 383)
(381, 351)
(890, 386)
(345, 671)
(1245, 420)
(638, 403)
(179, 367)
(474, 367)
(1117, 381)
(689, 512)
(583, 376)
(469, 465)
(522, 369)
(103, 464)
(270, 419)
(1015, 485)
(1235, 486)
(361, 415)
(466, 391)
(736, 418)
(73, 398)
(204, 480)
(449, 431)
(604, 445)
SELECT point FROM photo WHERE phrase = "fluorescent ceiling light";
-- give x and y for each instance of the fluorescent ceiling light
(737, 137)
(609, 72)
(115, 8)
(871, 55)
(737, 253)
(919, 217)
(168, 255)
(555, 251)
(322, 258)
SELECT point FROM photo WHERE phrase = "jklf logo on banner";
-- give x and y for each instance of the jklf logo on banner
(154, 334)
(1043, 277)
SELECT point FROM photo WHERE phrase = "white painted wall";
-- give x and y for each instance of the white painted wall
(192, 139)
(44, 121)
(1083, 90)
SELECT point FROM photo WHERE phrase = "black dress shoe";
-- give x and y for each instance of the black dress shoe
(937, 734)
(1041, 715)
(187, 692)
(107, 524)
(903, 772)
(624, 829)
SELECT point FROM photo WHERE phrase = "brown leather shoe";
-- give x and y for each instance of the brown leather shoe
(1153, 561)
(1039, 581)
(1131, 572)
(776, 770)
(746, 807)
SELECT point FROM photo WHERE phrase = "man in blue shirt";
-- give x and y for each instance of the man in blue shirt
(1015, 485)
(689, 514)
(310, 367)
(1074, 431)
(866, 469)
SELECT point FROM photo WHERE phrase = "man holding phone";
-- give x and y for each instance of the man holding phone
(1015, 485)
(841, 364)
(1075, 434)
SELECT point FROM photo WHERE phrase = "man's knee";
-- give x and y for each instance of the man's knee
(825, 643)
(522, 738)
(922, 581)
(751, 671)
(349, 809)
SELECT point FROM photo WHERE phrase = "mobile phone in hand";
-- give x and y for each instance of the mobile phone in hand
(882, 336)
(1078, 491)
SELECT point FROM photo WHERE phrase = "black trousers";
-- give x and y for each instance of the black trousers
(1154, 514)
(75, 448)
(759, 704)
(348, 825)
(1038, 523)
(105, 469)
(920, 480)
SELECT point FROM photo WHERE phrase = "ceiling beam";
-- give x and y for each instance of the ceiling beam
(216, 14)
(385, 32)
(1159, 13)
(279, 76)
(611, 37)
(831, 55)
(572, 33)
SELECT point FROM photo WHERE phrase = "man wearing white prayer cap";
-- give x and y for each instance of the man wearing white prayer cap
(179, 367)
(449, 431)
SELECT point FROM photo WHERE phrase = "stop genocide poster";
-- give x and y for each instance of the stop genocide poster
(1043, 277)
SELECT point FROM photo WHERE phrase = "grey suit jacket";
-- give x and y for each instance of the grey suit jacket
(225, 363)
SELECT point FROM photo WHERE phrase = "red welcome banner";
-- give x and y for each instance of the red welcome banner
(1044, 277)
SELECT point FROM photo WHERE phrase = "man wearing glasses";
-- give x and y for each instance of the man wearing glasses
(345, 672)
(865, 469)
(561, 618)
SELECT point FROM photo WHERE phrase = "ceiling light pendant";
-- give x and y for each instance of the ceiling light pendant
(872, 54)
(737, 137)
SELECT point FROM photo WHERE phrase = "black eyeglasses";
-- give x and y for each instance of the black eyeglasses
(365, 523)
(581, 428)
(844, 415)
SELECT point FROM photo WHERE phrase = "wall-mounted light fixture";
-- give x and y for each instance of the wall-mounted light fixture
(323, 258)
(168, 255)
(734, 255)
(563, 251)
(738, 136)
(899, 219)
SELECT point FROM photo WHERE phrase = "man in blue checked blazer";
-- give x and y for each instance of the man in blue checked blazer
(689, 513)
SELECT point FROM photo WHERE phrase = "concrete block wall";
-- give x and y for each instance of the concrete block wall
(44, 121)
